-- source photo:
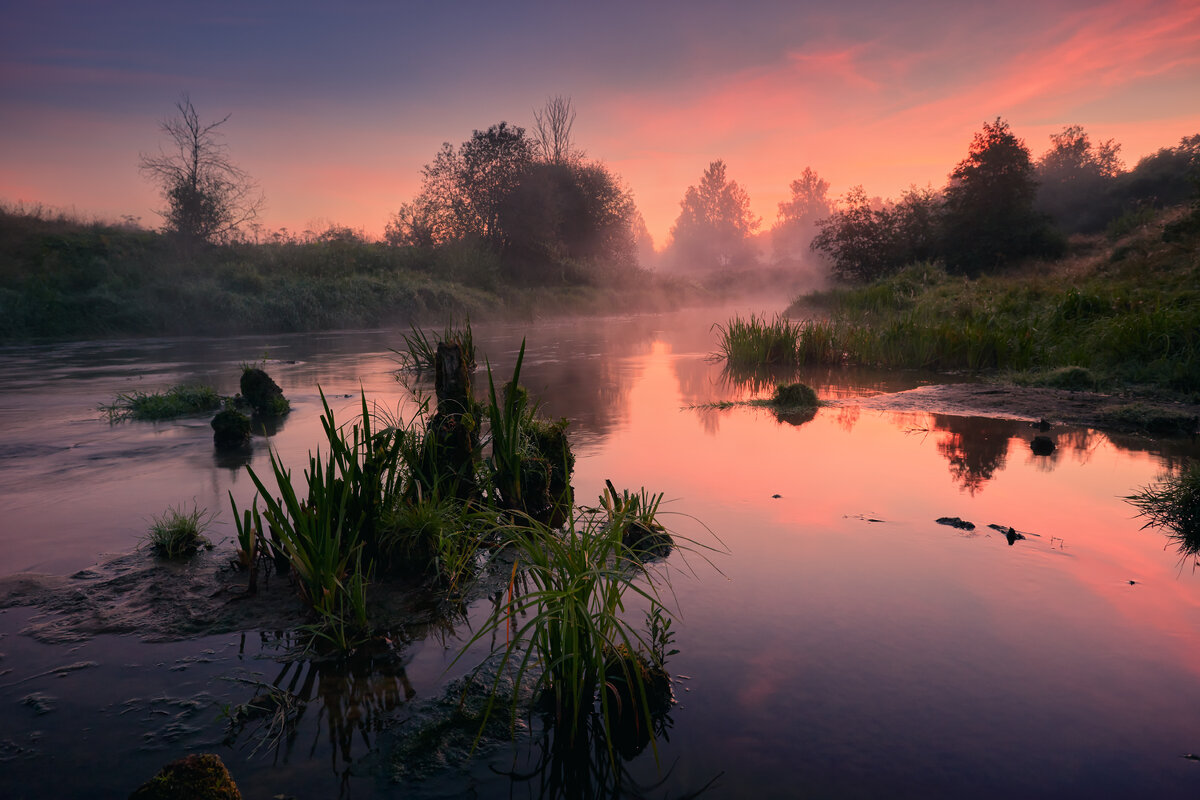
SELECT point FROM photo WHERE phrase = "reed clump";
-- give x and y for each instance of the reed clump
(1173, 505)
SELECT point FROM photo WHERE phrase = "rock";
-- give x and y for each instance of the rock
(1042, 425)
(1013, 535)
(195, 777)
(231, 429)
(955, 522)
(262, 393)
(1042, 445)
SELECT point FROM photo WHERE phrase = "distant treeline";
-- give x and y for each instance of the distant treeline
(1001, 206)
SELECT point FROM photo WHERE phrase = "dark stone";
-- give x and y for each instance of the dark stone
(955, 522)
(231, 429)
(262, 393)
(1042, 425)
(194, 777)
(1042, 445)
(1013, 535)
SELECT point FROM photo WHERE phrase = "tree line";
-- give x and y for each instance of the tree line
(535, 204)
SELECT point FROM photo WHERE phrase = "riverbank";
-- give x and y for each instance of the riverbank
(66, 279)
(1117, 315)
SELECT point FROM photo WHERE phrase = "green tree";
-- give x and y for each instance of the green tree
(988, 214)
(1076, 180)
(463, 190)
(865, 239)
(796, 225)
(208, 197)
(714, 224)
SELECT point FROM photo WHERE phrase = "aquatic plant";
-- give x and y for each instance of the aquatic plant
(420, 349)
(1173, 505)
(531, 460)
(788, 395)
(754, 340)
(563, 619)
(180, 400)
(178, 533)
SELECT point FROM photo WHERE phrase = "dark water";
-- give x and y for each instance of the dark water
(845, 646)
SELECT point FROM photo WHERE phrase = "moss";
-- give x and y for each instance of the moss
(195, 777)
(231, 429)
(794, 395)
(262, 393)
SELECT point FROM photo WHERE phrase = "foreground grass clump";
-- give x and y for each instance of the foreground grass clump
(390, 498)
(1174, 506)
(177, 533)
(178, 401)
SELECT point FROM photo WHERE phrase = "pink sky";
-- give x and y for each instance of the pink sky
(334, 114)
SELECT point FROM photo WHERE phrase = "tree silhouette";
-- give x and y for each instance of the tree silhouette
(796, 225)
(989, 217)
(208, 197)
(714, 223)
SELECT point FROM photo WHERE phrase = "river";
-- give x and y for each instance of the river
(841, 643)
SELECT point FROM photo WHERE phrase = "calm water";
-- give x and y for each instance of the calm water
(848, 646)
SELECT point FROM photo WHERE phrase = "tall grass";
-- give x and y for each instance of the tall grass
(757, 340)
(178, 533)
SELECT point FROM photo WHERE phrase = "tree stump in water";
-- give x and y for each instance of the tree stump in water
(452, 444)
(452, 381)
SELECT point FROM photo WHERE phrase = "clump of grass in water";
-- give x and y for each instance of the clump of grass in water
(177, 533)
(754, 341)
(1174, 506)
(793, 395)
(178, 401)
(420, 349)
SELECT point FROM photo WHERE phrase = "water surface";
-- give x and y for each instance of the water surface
(846, 645)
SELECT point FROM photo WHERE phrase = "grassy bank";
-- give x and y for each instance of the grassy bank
(62, 278)
(1122, 312)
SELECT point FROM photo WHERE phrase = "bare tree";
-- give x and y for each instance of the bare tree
(552, 131)
(208, 197)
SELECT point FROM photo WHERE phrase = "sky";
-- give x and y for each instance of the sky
(334, 108)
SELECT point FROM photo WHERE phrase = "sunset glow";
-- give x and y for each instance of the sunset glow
(334, 114)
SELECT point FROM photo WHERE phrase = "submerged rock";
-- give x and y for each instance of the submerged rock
(956, 522)
(194, 777)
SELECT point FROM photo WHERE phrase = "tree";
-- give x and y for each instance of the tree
(714, 223)
(552, 131)
(866, 239)
(208, 197)
(796, 225)
(1076, 180)
(463, 190)
(989, 216)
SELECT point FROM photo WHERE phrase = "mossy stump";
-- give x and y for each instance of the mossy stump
(196, 777)
(231, 429)
(263, 394)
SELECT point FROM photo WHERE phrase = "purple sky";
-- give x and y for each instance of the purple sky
(336, 108)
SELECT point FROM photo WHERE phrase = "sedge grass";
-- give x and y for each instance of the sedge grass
(178, 401)
(1173, 505)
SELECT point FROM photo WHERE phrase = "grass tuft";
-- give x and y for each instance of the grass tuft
(178, 533)
(1174, 506)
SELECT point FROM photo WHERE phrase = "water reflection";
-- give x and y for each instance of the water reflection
(976, 448)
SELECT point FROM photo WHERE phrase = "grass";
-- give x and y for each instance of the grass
(420, 349)
(1173, 505)
(178, 401)
(756, 340)
(178, 533)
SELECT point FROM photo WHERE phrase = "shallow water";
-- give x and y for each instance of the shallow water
(846, 645)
